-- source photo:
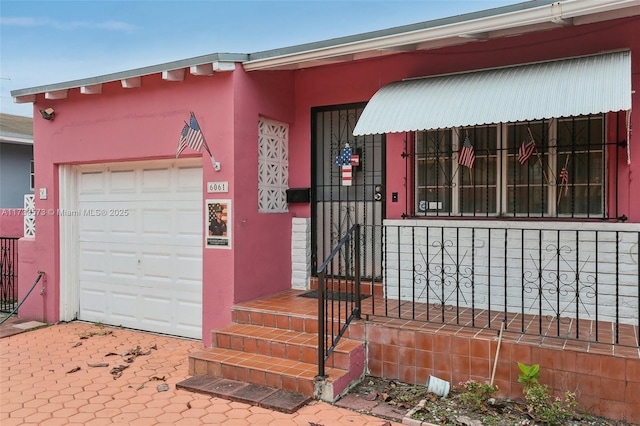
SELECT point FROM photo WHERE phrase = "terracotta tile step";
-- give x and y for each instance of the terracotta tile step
(286, 374)
(248, 393)
(281, 343)
(366, 286)
(274, 316)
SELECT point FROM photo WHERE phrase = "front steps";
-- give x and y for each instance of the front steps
(277, 349)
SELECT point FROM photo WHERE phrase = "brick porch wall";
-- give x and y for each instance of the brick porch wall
(606, 384)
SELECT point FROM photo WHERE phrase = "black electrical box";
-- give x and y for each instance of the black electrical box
(298, 195)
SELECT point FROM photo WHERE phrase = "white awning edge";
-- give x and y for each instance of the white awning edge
(561, 88)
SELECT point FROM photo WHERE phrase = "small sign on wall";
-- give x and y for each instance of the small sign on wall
(217, 187)
(218, 224)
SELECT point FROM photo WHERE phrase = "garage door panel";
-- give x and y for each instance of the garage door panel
(92, 261)
(157, 222)
(123, 182)
(155, 180)
(157, 310)
(188, 268)
(144, 269)
(95, 302)
(123, 307)
(92, 183)
(124, 264)
(125, 226)
(188, 178)
(157, 266)
(91, 223)
(187, 313)
(143, 241)
(184, 226)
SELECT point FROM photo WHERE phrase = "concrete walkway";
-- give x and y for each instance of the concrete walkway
(57, 376)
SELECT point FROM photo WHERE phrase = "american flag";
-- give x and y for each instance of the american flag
(467, 155)
(564, 179)
(344, 158)
(194, 134)
(527, 149)
(347, 175)
(183, 140)
(191, 136)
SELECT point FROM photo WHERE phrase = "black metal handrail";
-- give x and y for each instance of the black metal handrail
(338, 279)
(15, 309)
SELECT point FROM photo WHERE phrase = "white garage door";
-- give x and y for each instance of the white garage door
(140, 246)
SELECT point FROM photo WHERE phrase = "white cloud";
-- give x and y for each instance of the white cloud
(29, 22)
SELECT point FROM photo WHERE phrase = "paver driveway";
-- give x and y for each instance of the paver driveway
(46, 379)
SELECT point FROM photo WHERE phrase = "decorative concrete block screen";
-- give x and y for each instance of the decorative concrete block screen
(30, 216)
(558, 270)
(273, 166)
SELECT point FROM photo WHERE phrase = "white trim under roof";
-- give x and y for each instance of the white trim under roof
(499, 22)
(15, 139)
(569, 87)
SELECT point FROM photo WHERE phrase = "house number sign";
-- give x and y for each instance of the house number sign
(215, 187)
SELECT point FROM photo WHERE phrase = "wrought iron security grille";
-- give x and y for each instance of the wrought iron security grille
(336, 207)
(558, 168)
(8, 273)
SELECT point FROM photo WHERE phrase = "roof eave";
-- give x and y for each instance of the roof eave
(16, 140)
(529, 16)
(26, 95)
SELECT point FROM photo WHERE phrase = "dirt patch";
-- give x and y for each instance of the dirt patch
(453, 410)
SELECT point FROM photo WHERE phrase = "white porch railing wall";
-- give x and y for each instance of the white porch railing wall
(574, 270)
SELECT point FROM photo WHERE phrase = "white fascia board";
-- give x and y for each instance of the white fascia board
(24, 99)
(130, 83)
(57, 94)
(522, 18)
(15, 140)
(94, 89)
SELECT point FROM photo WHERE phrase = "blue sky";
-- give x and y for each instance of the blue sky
(52, 41)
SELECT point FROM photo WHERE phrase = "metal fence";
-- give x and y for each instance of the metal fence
(8, 273)
(576, 281)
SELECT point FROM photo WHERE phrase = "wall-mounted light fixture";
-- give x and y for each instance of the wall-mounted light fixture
(47, 114)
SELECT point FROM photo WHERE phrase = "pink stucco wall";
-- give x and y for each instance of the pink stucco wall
(144, 123)
(263, 254)
(11, 223)
(358, 82)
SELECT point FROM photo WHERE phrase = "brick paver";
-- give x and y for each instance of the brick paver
(45, 379)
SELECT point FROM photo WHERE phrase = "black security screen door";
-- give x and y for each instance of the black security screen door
(336, 204)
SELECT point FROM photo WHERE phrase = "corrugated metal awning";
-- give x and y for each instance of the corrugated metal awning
(562, 88)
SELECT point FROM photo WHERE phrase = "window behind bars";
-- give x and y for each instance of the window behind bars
(546, 168)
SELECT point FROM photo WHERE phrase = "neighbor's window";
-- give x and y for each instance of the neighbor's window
(543, 168)
(32, 179)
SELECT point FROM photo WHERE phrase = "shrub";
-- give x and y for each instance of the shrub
(476, 394)
(547, 409)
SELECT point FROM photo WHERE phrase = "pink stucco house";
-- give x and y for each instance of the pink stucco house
(488, 159)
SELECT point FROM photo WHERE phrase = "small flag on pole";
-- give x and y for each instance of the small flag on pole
(564, 180)
(564, 176)
(467, 155)
(192, 137)
(194, 134)
(183, 140)
(527, 149)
